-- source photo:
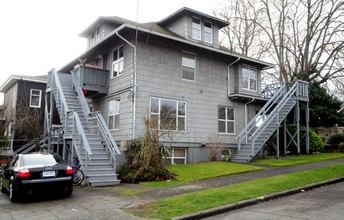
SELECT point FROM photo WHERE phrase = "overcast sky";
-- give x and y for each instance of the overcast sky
(38, 35)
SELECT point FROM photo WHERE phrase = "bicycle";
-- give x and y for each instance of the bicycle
(78, 175)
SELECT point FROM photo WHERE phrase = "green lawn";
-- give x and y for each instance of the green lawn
(293, 160)
(187, 173)
(202, 200)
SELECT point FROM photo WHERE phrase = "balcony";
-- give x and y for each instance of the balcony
(93, 81)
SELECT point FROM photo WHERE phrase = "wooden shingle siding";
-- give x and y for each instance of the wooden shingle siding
(159, 75)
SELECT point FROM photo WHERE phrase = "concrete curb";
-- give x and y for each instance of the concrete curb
(231, 207)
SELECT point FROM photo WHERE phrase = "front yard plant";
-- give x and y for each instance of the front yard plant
(144, 158)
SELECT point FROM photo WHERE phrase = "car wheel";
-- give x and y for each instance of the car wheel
(68, 191)
(14, 196)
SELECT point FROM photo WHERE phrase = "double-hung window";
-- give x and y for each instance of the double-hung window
(226, 120)
(249, 77)
(117, 63)
(113, 114)
(208, 32)
(35, 98)
(196, 29)
(189, 66)
(168, 114)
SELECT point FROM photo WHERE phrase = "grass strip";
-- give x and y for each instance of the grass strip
(293, 160)
(187, 173)
(202, 200)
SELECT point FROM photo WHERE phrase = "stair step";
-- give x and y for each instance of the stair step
(105, 183)
(102, 177)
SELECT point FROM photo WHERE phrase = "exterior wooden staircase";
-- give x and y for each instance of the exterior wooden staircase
(252, 138)
(85, 132)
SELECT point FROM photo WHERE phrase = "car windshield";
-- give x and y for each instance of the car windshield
(40, 159)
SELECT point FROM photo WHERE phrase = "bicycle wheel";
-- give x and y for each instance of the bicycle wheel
(78, 177)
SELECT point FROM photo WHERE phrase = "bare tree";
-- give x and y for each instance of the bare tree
(303, 37)
(29, 123)
(215, 146)
(243, 34)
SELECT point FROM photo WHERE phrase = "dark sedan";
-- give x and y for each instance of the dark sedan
(36, 173)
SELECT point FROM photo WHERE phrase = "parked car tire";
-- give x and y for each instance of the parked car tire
(14, 195)
(68, 192)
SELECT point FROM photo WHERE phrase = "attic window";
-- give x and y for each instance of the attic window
(208, 32)
(196, 28)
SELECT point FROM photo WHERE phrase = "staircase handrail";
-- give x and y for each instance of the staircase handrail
(77, 124)
(27, 145)
(293, 91)
(266, 108)
(64, 109)
(80, 94)
(110, 143)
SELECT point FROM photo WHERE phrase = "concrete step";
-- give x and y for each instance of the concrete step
(105, 183)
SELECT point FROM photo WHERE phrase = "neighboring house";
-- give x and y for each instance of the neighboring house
(24, 103)
(326, 133)
(174, 72)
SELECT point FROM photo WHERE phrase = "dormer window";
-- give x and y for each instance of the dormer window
(95, 36)
(208, 32)
(202, 30)
(196, 28)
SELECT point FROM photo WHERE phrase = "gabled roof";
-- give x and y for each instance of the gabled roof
(115, 20)
(158, 30)
(14, 78)
(183, 11)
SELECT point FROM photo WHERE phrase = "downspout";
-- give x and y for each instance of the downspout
(228, 73)
(133, 95)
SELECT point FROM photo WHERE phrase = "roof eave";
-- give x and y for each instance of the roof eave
(14, 78)
(179, 39)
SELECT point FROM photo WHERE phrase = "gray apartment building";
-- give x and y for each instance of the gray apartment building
(173, 71)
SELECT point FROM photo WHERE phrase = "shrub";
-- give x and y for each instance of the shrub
(316, 144)
(144, 158)
(336, 139)
(215, 146)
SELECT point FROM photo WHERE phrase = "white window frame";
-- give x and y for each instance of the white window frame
(119, 62)
(226, 120)
(184, 64)
(117, 111)
(178, 117)
(35, 95)
(197, 27)
(208, 31)
(172, 157)
(251, 69)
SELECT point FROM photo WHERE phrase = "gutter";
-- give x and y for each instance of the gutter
(134, 83)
